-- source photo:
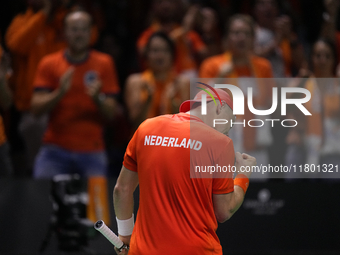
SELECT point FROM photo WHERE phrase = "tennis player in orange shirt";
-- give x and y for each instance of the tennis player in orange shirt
(178, 213)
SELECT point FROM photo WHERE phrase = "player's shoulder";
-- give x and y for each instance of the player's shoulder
(212, 140)
(158, 122)
(221, 138)
(211, 134)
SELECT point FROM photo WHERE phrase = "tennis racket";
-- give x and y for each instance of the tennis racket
(110, 235)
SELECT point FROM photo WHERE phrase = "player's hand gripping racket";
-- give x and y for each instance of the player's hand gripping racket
(112, 237)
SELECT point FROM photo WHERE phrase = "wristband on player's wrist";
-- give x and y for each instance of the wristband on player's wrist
(125, 227)
(242, 181)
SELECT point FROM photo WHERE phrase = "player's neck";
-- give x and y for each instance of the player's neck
(197, 113)
(76, 56)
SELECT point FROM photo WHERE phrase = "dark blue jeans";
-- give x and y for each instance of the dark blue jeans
(53, 160)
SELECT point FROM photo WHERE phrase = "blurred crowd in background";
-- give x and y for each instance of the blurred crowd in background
(153, 48)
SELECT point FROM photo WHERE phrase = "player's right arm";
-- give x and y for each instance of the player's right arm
(127, 183)
(225, 205)
(44, 101)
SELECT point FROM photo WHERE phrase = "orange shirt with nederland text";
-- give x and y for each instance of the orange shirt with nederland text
(176, 211)
(75, 123)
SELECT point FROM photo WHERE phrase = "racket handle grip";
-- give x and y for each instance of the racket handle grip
(112, 237)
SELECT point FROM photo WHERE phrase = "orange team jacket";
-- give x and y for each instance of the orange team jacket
(29, 38)
(176, 212)
(2, 128)
(259, 68)
(185, 47)
(75, 122)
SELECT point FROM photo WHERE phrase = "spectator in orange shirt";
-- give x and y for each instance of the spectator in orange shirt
(239, 64)
(190, 49)
(76, 87)
(30, 37)
(5, 102)
(158, 90)
(239, 59)
(179, 207)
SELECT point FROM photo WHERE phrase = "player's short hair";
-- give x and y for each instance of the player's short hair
(242, 17)
(197, 104)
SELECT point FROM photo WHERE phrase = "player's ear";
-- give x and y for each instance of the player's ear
(219, 108)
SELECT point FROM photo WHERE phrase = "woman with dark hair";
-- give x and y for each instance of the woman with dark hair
(158, 90)
(324, 58)
(323, 127)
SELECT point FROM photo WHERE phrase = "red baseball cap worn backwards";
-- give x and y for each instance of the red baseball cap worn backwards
(224, 96)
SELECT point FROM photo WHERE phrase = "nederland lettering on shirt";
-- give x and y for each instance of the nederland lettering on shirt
(153, 140)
